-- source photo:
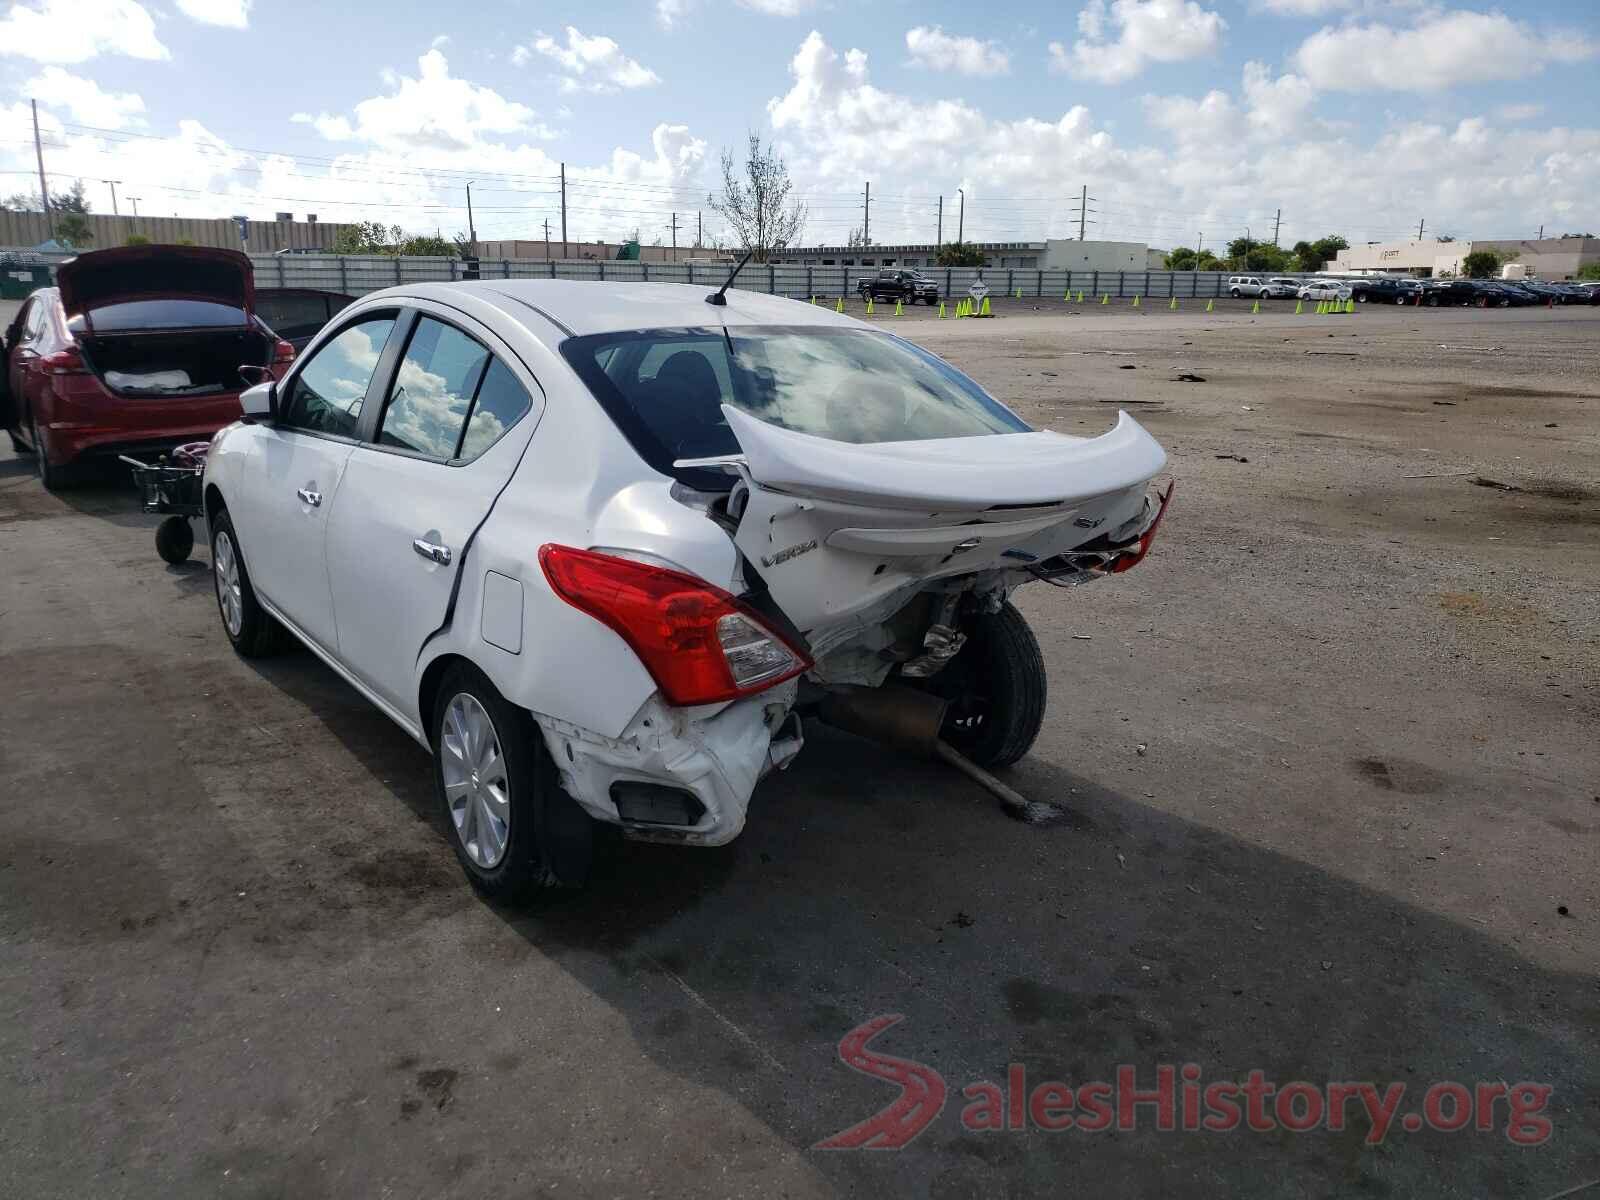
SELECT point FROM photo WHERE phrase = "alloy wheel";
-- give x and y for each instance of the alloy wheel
(476, 786)
(230, 598)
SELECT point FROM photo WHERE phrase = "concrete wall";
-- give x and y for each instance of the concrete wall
(1071, 254)
(265, 237)
(576, 251)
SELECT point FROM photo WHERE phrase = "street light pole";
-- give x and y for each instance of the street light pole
(472, 232)
(961, 218)
(113, 185)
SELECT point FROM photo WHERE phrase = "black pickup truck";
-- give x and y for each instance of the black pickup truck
(908, 286)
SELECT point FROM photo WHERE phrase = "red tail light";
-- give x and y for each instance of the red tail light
(1134, 554)
(64, 362)
(282, 353)
(700, 644)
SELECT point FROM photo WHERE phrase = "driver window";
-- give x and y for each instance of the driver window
(327, 392)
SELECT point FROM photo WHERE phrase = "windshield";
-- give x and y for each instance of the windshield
(665, 389)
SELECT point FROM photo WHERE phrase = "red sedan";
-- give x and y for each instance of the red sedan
(135, 348)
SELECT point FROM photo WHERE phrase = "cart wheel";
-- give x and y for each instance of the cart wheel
(174, 539)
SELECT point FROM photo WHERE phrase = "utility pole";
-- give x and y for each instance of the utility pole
(1421, 225)
(134, 200)
(1084, 210)
(866, 216)
(1199, 245)
(547, 239)
(44, 191)
(113, 183)
(563, 210)
(1540, 238)
(699, 230)
(961, 215)
(938, 239)
(674, 237)
(472, 232)
(1276, 222)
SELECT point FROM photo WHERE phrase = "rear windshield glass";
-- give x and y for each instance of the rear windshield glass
(665, 389)
(160, 314)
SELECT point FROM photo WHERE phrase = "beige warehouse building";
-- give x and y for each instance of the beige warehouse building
(1547, 258)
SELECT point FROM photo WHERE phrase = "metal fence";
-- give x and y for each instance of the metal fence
(356, 274)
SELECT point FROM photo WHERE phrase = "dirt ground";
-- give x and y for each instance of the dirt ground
(1328, 759)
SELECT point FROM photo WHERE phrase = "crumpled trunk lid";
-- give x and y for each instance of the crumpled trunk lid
(834, 529)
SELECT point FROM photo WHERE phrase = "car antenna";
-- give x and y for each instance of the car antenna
(717, 296)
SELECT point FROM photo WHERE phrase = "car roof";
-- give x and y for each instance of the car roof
(582, 307)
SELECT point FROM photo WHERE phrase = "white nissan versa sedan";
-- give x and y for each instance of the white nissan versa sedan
(598, 546)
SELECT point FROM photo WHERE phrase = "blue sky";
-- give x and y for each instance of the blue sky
(1181, 116)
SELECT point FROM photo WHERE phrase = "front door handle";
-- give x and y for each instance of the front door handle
(312, 498)
(432, 551)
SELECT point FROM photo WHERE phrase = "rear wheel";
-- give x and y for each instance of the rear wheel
(19, 446)
(997, 690)
(55, 478)
(251, 630)
(513, 829)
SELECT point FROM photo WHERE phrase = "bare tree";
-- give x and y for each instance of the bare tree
(857, 239)
(757, 206)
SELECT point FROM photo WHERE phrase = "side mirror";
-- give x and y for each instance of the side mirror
(261, 401)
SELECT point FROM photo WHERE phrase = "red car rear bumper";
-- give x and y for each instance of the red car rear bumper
(74, 430)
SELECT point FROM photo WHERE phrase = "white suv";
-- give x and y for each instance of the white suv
(582, 540)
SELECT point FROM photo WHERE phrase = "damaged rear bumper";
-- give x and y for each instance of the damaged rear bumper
(675, 776)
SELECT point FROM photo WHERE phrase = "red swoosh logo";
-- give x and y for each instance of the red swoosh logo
(922, 1092)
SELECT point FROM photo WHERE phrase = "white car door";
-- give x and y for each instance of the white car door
(296, 467)
(450, 432)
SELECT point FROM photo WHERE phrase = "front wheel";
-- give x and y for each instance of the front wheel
(997, 690)
(174, 539)
(251, 630)
(54, 477)
(513, 829)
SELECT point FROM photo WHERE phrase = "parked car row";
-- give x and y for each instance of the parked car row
(1387, 289)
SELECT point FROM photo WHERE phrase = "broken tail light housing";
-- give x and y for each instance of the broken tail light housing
(700, 644)
(1133, 554)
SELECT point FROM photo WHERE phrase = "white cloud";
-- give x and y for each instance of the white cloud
(84, 100)
(670, 12)
(1217, 161)
(1441, 50)
(939, 51)
(592, 64)
(434, 111)
(1302, 8)
(74, 31)
(779, 8)
(1123, 37)
(1519, 112)
(233, 14)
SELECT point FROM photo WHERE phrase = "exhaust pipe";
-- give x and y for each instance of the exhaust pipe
(909, 720)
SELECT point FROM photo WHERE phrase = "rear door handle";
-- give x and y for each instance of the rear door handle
(312, 498)
(432, 551)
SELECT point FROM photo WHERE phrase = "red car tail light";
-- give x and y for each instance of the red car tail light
(1134, 554)
(64, 362)
(699, 643)
(282, 353)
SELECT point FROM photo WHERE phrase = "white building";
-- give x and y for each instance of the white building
(1551, 258)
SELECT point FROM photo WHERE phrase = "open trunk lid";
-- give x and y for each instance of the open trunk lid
(836, 529)
(129, 273)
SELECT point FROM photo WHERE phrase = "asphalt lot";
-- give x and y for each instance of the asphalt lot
(1328, 759)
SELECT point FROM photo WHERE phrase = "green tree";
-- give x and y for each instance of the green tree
(1309, 256)
(1181, 258)
(74, 231)
(1481, 264)
(136, 239)
(369, 237)
(755, 202)
(1592, 271)
(961, 254)
(430, 245)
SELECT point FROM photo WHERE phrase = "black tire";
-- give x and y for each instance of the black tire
(174, 539)
(549, 838)
(1361, 298)
(259, 635)
(22, 449)
(1235, 293)
(55, 478)
(997, 690)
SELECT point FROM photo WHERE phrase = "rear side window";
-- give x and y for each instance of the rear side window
(328, 390)
(160, 314)
(293, 315)
(451, 399)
